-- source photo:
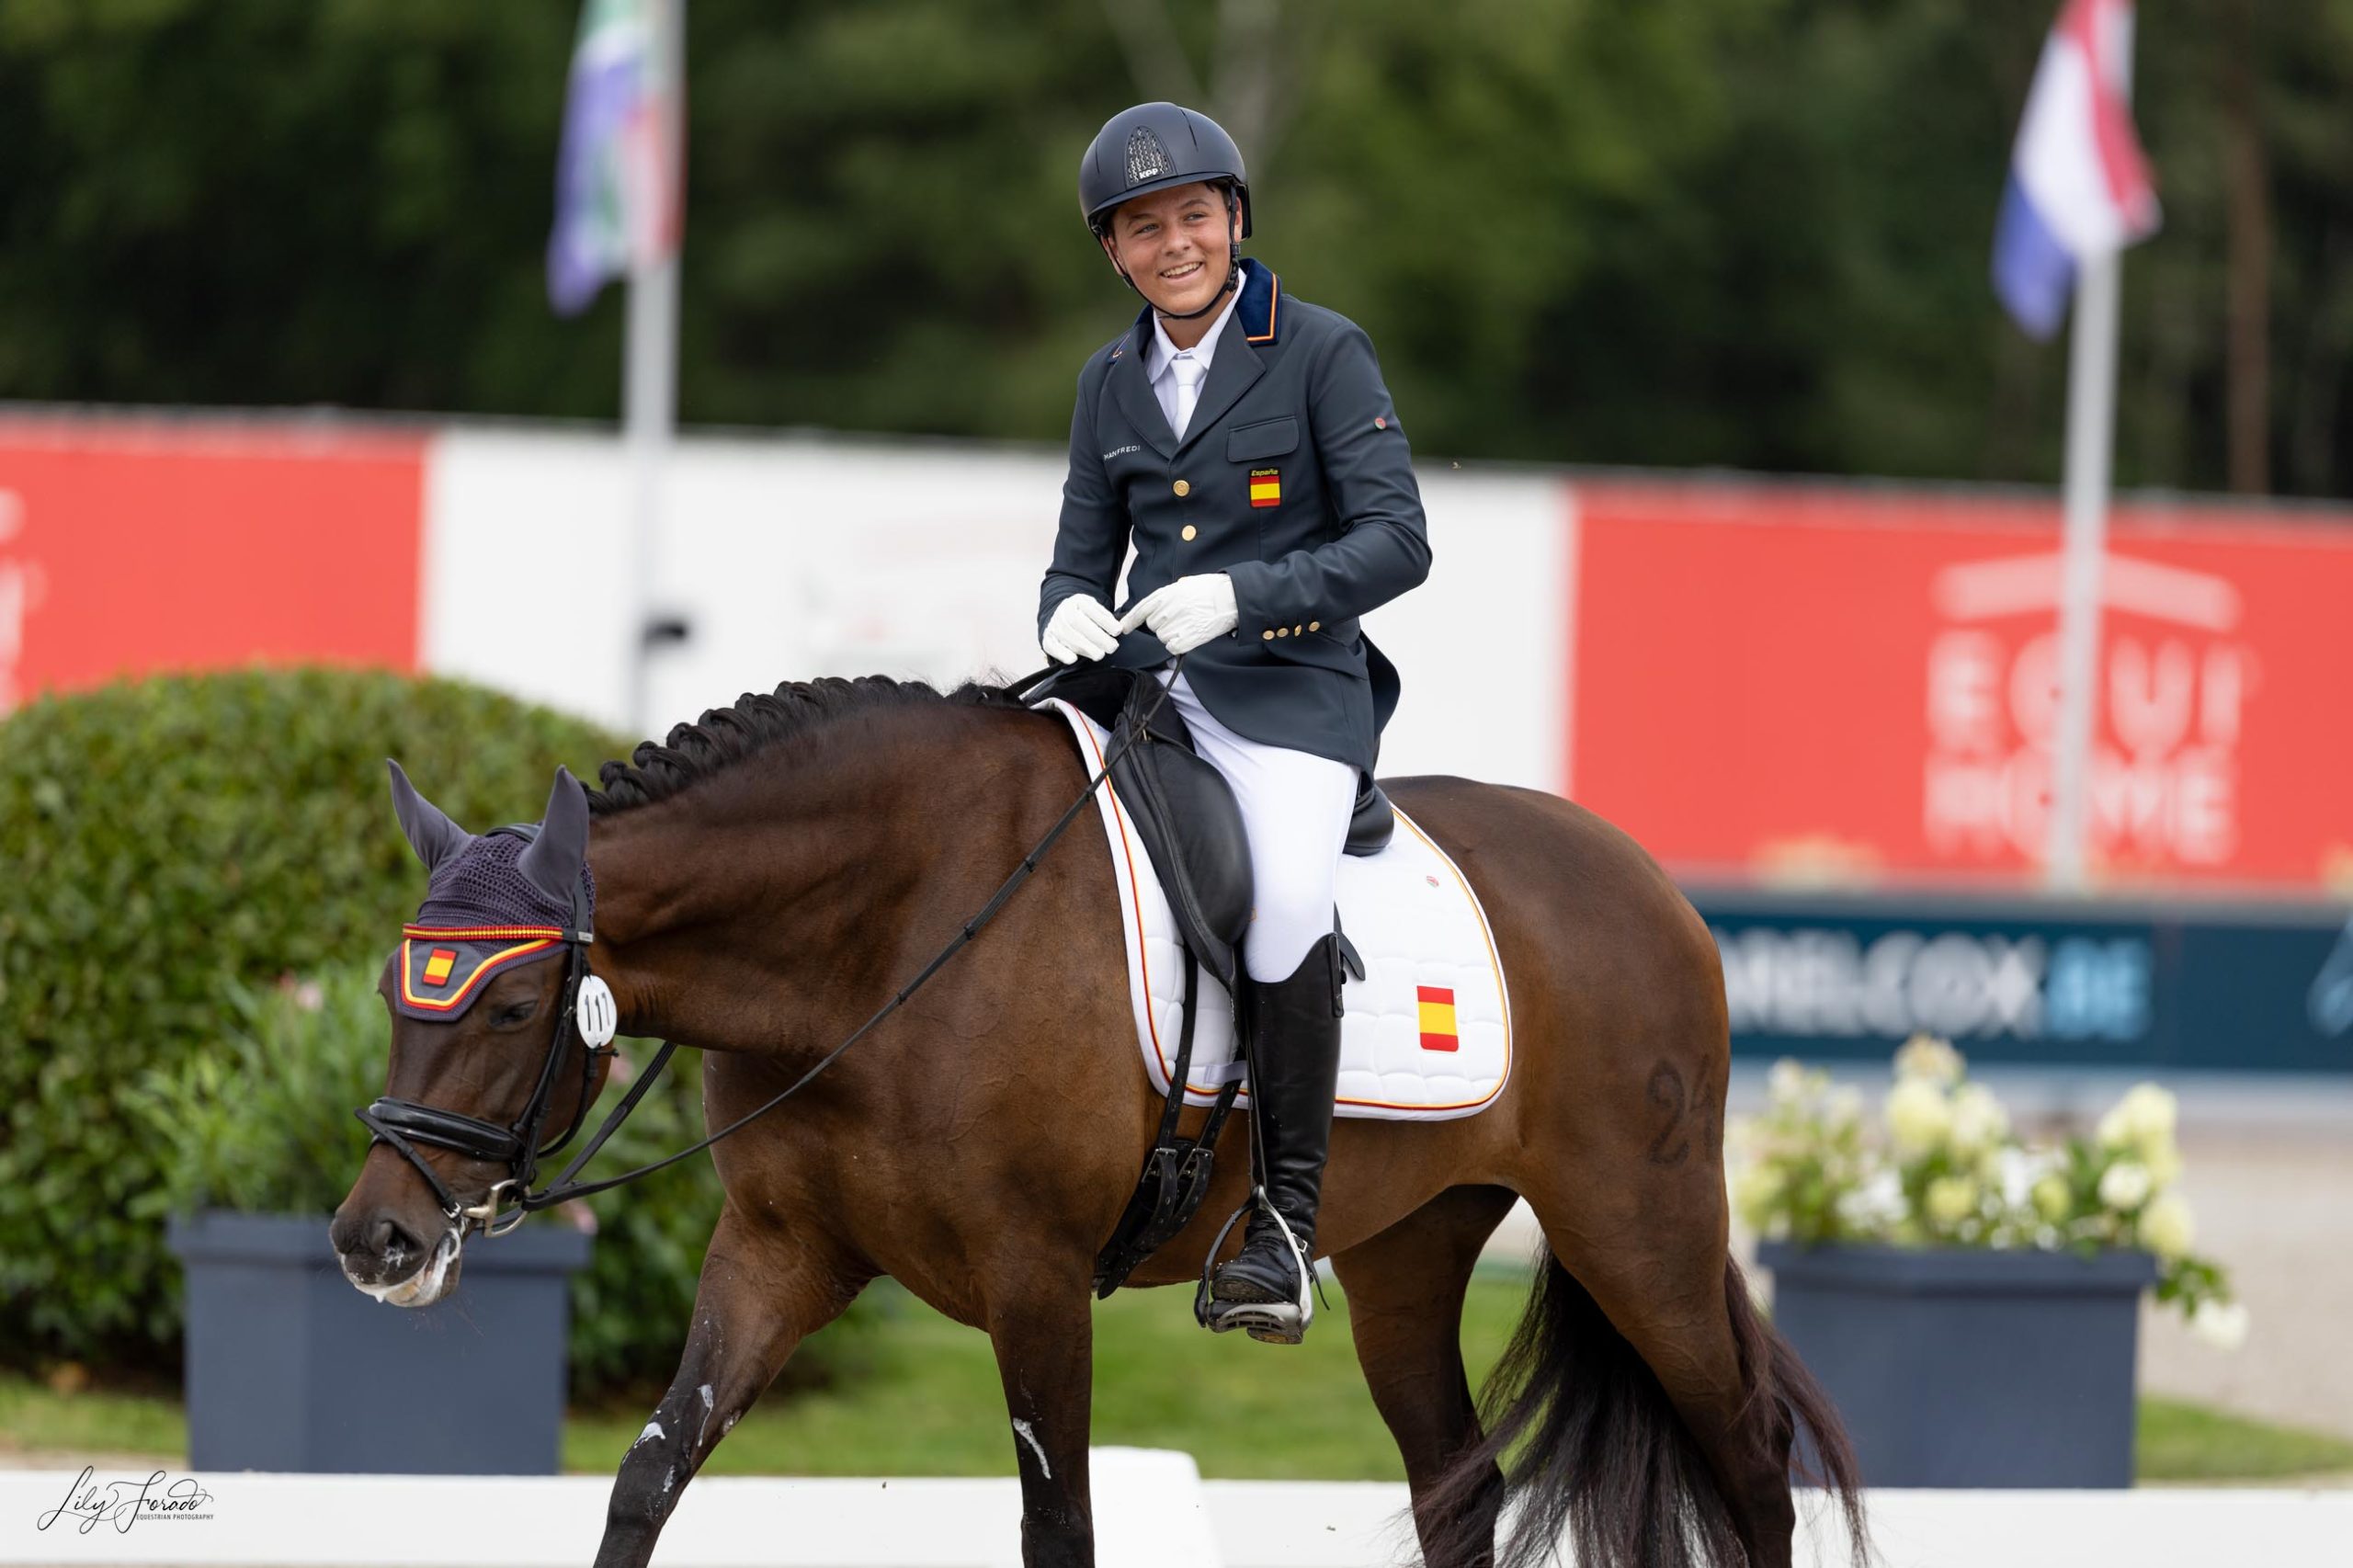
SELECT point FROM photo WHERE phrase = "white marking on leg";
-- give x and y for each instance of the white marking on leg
(1022, 1428)
(653, 1432)
(704, 1429)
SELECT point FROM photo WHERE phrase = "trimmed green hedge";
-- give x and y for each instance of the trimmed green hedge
(171, 850)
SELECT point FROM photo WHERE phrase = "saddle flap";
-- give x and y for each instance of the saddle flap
(1191, 826)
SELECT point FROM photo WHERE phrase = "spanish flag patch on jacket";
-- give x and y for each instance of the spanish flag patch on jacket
(1265, 487)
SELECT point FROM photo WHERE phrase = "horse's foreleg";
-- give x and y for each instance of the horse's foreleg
(762, 1291)
(1044, 1335)
(1406, 1288)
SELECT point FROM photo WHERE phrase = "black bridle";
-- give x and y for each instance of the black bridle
(404, 1124)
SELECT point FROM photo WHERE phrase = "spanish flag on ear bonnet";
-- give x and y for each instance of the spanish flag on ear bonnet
(481, 916)
(1152, 147)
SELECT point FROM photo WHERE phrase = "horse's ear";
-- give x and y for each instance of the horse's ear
(554, 859)
(430, 832)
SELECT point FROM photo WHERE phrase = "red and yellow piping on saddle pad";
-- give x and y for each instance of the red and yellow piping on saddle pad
(443, 967)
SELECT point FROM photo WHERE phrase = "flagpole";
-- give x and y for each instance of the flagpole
(650, 381)
(2091, 417)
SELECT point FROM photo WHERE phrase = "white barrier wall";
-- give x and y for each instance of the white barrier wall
(793, 558)
(1151, 1510)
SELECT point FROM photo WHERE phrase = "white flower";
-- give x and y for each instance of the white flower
(1978, 1119)
(2167, 1225)
(1918, 1116)
(2014, 1172)
(1845, 1106)
(2124, 1186)
(2052, 1198)
(1931, 1059)
(2112, 1132)
(1785, 1085)
(2150, 1114)
(1951, 1200)
(1873, 1208)
(2221, 1324)
(2163, 1160)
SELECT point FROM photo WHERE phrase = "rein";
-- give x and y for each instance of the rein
(518, 1148)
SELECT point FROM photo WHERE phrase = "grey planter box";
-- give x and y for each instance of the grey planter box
(1960, 1367)
(290, 1369)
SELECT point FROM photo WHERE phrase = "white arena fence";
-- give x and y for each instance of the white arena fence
(1151, 1510)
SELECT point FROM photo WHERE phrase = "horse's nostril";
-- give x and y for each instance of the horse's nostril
(393, 1244)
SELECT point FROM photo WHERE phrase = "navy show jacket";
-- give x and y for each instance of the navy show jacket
(1293, 478)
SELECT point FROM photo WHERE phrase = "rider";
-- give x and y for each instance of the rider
(1242, 441)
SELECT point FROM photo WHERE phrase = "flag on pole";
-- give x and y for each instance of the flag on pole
(2080, 183)
(617, 200)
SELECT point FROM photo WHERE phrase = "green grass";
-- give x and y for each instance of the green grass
(2178, 1442)
(928, 1403)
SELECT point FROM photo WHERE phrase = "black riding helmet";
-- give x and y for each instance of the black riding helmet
(1155, 146)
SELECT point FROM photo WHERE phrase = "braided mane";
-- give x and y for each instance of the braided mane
(758, 721)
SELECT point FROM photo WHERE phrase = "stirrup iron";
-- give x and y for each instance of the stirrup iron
(1272, 1323)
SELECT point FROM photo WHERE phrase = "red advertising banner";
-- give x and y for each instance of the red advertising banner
(132, 549)
(1859, 681)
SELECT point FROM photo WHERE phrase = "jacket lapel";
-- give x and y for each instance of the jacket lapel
(1236, 364)
(1133, 393)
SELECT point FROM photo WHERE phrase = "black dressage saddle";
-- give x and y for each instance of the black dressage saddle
(1184, 811)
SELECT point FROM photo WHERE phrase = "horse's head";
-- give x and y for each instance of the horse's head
(493, 1046)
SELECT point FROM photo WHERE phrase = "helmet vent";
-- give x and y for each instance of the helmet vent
(1147, 159)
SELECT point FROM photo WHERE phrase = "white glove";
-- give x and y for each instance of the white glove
(1188, 612)
(1080, 628)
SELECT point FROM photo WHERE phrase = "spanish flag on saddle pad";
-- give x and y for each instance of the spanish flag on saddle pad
(1437, 1007)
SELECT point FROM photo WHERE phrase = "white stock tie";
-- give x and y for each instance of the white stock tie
(1190, 373)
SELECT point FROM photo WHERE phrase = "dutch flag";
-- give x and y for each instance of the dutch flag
(2080, 183)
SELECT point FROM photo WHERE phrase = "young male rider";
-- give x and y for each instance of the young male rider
(1241, 441)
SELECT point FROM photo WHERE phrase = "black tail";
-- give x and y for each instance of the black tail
(1592, 1449)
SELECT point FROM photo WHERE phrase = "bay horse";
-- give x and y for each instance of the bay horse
(770, 874)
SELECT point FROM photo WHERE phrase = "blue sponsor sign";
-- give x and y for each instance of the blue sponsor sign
(2051, 983)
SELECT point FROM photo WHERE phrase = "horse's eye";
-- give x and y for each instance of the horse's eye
(515, 1013)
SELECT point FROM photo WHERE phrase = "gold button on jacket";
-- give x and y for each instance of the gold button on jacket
(1182, 488)
(1189, 532)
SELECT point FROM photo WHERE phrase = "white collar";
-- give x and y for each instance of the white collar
(1161, 350)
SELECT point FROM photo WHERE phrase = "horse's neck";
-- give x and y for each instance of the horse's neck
(715, 906)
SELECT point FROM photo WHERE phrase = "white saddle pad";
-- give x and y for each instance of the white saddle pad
(1428, 1031)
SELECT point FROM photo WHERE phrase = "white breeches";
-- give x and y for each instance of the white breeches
(1295, 807)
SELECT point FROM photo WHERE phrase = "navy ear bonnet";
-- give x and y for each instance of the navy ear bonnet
(481, 916)
(482, 886)
(512, 896)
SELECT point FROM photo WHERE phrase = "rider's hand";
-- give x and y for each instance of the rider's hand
(1188, 612)
(1080, 628)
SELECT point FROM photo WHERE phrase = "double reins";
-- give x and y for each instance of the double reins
(518, 1148)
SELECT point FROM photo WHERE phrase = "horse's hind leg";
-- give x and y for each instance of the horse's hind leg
(1406, 1288)
(763, 1290)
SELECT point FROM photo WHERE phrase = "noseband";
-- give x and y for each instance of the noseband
(587, 1011)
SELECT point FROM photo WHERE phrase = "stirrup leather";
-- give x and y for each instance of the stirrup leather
(1281, 1322)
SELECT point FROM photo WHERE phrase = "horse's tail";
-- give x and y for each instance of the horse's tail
(1597, 1453)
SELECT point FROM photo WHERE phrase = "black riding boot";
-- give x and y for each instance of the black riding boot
(1294, 1044)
